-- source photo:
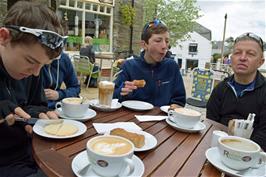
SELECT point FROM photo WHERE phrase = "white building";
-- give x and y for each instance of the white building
(195, 51)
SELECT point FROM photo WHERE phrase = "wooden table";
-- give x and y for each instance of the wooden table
(176, 154)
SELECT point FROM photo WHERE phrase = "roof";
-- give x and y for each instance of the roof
(203, 31)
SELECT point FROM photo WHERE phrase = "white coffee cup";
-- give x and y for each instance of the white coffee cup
(240, 153)
(106, 91)
(184, 117)
(216, 134)
(73, 107)
(110, 155)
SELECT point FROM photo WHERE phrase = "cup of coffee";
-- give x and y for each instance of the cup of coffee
(184, 117)
(240, 153)
(73, 107)
(110, 155)
(106, 91)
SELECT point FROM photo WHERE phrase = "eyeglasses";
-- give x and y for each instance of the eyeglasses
(154, 23)
(251, 36)
(48, 38)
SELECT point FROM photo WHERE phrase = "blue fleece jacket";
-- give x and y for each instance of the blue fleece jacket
(56, 73)
(164, 83)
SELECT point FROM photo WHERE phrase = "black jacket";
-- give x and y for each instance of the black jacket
(224, 105)
(27, 93)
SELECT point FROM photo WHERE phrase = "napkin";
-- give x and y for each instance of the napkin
(150, 118)
(102, 128)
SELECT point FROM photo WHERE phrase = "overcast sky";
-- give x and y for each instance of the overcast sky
(242, 16)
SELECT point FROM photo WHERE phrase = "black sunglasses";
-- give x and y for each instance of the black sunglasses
(251, 36)
(48, 38)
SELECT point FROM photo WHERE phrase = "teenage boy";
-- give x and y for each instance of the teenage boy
(29, 39)
(245, 91)
(164, 83)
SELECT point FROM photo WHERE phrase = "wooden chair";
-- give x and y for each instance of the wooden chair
(84, 68)
(202, 85)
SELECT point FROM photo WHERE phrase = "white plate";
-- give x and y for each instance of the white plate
(95, 105)
(165, 109)
(81, 160)
(213, 156)
(88, 115)
(150, 140)
(38, 128)
(137, 105)
(198, 127)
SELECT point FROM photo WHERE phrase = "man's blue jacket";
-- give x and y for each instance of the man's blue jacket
(164, 83)
(56, 73)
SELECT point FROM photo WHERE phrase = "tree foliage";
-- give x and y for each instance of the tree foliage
(179, 16)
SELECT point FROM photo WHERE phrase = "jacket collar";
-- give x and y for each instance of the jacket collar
(147, 64)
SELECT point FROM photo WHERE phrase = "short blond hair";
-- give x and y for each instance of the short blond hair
(88, 40)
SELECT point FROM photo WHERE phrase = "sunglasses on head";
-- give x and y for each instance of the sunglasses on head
(48, 38)
(154, 23)
(251, 36)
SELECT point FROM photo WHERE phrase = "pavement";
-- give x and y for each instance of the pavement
(92, 93)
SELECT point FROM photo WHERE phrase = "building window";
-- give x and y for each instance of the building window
(193, 49)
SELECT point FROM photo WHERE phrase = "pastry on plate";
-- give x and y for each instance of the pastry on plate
(139, 83)
(61, 129)
(137, 139)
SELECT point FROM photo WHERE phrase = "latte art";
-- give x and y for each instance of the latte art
(110, 146)
(187, 112)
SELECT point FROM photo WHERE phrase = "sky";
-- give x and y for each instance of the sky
(242, 16)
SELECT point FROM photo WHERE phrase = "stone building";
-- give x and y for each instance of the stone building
(100, 19)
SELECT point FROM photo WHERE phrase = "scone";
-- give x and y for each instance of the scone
(139, 83)
(61, 129)
(137, 139)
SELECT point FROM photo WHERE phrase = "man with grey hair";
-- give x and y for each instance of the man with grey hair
(245, 91)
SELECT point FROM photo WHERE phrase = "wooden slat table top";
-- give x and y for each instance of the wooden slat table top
(176, 154)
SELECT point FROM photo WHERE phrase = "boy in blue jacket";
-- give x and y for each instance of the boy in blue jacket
(55, 74)
(164, 83)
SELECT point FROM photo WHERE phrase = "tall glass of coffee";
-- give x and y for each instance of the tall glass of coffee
(106, 91)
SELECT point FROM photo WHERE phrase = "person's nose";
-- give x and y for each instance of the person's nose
(36, 69)
(243, 56)
(165, 45)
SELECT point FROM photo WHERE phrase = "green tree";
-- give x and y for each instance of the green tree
(179, 16)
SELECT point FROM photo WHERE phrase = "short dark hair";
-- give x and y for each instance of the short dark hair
(154, 27)
(32, 15)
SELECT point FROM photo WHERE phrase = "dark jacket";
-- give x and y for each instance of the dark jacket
(89, 52)
(28, 94)
(224, 105)
(164, 83)
(56, 73)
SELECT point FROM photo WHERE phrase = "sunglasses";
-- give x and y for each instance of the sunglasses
(251, 36)
(154, 23)
(48, 38)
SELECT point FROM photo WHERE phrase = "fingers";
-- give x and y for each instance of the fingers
(19, 112)
(28, 129)
(48, 115)
(10, 119)
(129, 87)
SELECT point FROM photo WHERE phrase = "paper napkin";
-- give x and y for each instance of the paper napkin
(145, 118)
(102, 128)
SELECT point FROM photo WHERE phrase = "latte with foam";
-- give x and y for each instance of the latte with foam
(238, 144)
(72, 100)
(187, 112)
(110, 146)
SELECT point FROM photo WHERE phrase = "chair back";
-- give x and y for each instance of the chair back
(202, 84)
(83, 64)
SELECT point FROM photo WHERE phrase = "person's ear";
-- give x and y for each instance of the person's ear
(261, 61)
(5, 36)
(143, 44)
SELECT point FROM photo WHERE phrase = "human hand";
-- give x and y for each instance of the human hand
(48, 115)
(128, 88)
(51, 94)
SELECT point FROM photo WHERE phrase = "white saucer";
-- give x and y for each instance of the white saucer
(213, 156)
(88, 115)
(81, 160)
(137, 105)
(198, 127)
(150, 140)
(38, 128)
(165, 108)
(95, 105)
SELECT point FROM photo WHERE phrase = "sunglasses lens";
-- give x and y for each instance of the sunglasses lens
(252, 36)
(52, 40)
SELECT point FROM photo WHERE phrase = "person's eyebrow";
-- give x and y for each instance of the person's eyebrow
(33, 59)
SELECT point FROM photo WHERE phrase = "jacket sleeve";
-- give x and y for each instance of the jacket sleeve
(259, 132)
(179, 96)
(72, 84)
(214, 104)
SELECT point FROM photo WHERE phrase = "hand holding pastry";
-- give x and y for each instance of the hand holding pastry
(139, 83)
(128, 88)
